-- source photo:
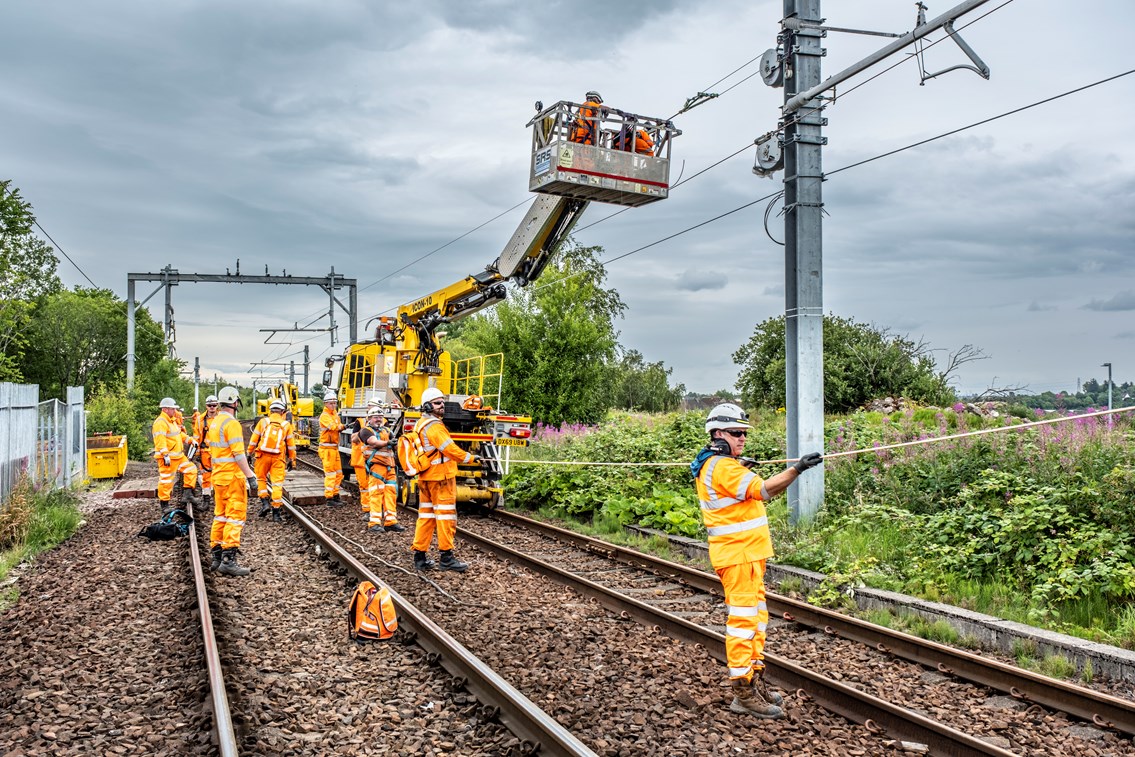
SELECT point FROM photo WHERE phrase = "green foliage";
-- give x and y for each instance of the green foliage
(78, 338)
(27, 273)
(861, 363)
(114, 411)
(33, 521)
(643, 386)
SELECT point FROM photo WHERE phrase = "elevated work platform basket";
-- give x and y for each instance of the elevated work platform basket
(607, 156)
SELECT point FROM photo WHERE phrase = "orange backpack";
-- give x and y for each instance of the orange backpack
(412, 454)
(272, 441)
(372, 616)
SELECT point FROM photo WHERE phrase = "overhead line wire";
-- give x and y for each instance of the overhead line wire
(57, 246)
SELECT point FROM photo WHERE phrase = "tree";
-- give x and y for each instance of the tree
(78, 338)
(861, 363)
(645, 386)
(27, 272)
(558, 337)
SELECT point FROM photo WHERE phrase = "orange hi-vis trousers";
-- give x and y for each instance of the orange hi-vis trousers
(362, 479)
(332, 470)
(270, 470)
(229, 512)
(744, 586)
(437, 504)
(382, 495)
(167, 475)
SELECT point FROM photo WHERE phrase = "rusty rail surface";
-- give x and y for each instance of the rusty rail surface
(540, 732)
(222, 715)
(1093, 706)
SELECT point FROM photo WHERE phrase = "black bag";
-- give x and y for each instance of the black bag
(173, 524)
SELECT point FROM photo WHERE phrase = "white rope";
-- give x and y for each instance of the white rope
(880, 448)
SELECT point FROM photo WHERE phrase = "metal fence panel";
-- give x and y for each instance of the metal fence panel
(77, 423)
(18, 426)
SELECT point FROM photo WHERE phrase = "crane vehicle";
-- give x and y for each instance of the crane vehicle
(300, 410)
(405, 356)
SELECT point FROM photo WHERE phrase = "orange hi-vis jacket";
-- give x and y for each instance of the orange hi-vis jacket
(283, 441)
(329, 428)
(643, 144)
(443, 451)
(734, 512)
(585, 128)
(169, 437)
(357, 458)
(226, 443)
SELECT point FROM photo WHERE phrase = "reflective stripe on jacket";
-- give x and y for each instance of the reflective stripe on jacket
(733, 512)
(169, 439)
(437, 439)
(226, 444)
(329, 428)
(261, 444)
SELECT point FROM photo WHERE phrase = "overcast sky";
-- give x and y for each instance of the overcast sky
(304, 135)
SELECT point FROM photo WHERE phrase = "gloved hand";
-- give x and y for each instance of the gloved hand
(250, 483)
(165, 459)
(291, 465)
(810, 460)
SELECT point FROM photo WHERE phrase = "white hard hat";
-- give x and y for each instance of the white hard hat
(228, 396)
(211, 399)
(374, 408)
(726, 416)
(167, 402)
(431, 394)
(330, 396)
(594, 96)
(277, 404)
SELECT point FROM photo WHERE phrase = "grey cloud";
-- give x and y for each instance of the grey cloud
(1121, 301)
(1036, 307)
(696, 281)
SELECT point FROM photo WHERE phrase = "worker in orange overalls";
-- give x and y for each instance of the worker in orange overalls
(200, 427)
(329, 428)
(732, 499)
(273, 442)
(437, 486)
(377, 445)
(358, 463)
(585, 127)
(642, 143)
(170, 441)
(232, 479)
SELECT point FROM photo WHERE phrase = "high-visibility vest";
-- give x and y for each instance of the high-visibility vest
(733, 512)
(226, 442)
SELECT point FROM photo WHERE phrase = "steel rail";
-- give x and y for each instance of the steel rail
(222, 715)
(855, 705)
(1093, 706)
(539, 731)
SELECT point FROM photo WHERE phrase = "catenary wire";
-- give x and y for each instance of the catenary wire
(56, 244)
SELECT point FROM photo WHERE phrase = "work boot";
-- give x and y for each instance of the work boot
(746, 701)
(265, 507)
(762, 688)
(395, 527)
(375, 529)
(449, 562)
(229, 566)
(216, 564)
(333, 501)
(277, 516)
(190, 497)
(208, 499)
(423, 562)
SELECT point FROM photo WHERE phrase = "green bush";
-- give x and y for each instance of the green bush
(116, 412)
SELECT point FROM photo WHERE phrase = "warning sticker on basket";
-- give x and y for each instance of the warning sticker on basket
(543, 162)
(567, 156)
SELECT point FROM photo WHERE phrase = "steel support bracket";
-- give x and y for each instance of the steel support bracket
(805, 139)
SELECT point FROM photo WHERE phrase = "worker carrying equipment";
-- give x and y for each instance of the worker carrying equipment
(378, 476)
(732, 499)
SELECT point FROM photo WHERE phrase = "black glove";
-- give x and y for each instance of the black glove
(252, 485)
(811, 460)
(291, 465)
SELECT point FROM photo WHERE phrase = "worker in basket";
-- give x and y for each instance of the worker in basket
(642, 144)
(585, 127)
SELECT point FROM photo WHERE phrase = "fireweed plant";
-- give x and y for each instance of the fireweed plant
(1034, 524)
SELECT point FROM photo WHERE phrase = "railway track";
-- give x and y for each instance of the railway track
(888, 688)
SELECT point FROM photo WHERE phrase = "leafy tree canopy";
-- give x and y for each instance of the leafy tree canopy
(861, 363)
(27, 272)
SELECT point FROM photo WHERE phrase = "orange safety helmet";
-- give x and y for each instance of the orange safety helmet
(473, 402)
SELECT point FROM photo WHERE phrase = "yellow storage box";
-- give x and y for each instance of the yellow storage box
(106, 456)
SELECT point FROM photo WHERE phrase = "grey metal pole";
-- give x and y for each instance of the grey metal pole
(196, 383)
(168, 311)
(306, 368)
(292, 373)
(1108, 366)
(331, 303)
(354, 314)
(803, 261)
(129, 334)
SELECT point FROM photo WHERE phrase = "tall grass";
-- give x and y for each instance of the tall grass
(33, 521)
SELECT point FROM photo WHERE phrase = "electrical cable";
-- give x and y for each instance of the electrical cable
(56, 244)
